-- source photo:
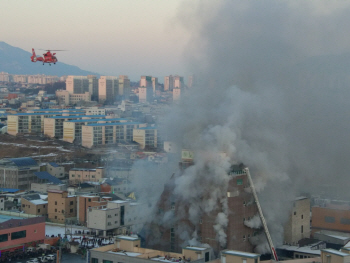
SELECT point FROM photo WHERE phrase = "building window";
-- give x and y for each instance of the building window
(38, 210)
(302, 216)
(345, 221)
(55, 217)
(329, 219)
(107, 261)
(43, 206)
(243, 237)
(4, 238)
(71, 203)
(173, 206)
(55, 210)
(34, 230)
(109, 223)
(295, 213)
(89, 200)
(55, 202)
(302, 229)
(94, 260)
(239, 181)
(18, 234)
(71, 210)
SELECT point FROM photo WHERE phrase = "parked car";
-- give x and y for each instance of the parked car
(50, 257)
(43, 259)
(33, 260)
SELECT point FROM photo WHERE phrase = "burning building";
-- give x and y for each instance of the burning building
(221, 213)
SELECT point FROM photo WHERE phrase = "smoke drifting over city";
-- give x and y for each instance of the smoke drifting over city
(273, 93)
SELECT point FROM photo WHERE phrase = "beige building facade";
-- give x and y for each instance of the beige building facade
(298, 226)
(79, 175)
(55, 170)
(77, 84)
(61, 206)
(108, 133)
(108, 87)
(34, 207)
(146, 137)
(234, 256)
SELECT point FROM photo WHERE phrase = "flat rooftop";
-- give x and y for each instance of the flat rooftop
(4, 218)
(145, 253)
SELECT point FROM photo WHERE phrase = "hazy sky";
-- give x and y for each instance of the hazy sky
(112, 37)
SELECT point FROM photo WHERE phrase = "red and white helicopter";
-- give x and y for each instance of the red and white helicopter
(47, 58)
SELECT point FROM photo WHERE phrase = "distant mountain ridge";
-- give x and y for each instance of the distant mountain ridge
(14, 60)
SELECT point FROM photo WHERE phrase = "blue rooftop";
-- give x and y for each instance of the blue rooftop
(77, 116)
(94, 120)
(59, 110)
(8, 190)
(25, 161)
(43, 113)
(48, 177)
(54, 164)
(113, 124)
(147, 128)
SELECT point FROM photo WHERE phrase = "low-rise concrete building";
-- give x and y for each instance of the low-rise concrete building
(18, 173)
(329, 255)
(45, 187)
(298, 225)
(61, 206)
(79, 175)
(128, 249)
(55, 170)
(116, 217)
(32, 204)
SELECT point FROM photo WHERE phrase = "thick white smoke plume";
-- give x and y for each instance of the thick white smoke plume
(272, 92)
(254, 222)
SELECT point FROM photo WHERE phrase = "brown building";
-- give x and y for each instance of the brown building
(241, 209)
(332, 216)
(61, 206)
(85, 202)
(32, 204)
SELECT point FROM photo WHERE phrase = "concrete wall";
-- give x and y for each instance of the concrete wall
(298, 226)
(33, 209)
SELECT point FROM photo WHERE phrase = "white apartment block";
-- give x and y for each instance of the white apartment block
(179, 82)
(176, 94)
(97, 134)
(146, 137)
(108, 89)
(77, 84)
(4, 76)
(95, 111)
(53, 126)
(124, 86)
(72, 130)
(145, 94)
(116, 217)
(64, 97)
(168, 83)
